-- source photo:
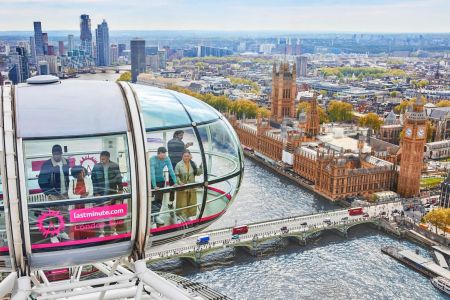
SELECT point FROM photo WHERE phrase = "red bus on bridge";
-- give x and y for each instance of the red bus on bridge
(355, 211)
(240, 229)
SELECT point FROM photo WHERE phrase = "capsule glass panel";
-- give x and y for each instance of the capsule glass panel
(160, 109)
(219, 197)
(221, 150)
(78, 191)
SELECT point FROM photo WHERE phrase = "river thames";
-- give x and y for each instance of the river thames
(329, 268)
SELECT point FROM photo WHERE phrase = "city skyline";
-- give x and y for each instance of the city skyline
(398, 16)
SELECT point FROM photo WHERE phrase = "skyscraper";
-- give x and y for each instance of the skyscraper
(114, 54)
(70, 42)
(137, 58)
(61, 48)
(301, 63)
(45, 42)
(122, 47)
(19, 71)
(39, 43)
(33, 50)
(86, 34)
(102, 41)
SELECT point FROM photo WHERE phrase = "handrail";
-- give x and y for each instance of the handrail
(195, 205)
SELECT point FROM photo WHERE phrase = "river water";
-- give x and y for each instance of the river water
(330, 268)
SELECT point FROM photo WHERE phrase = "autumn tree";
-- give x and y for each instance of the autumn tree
(306, 106)
(125, 76)
(443, 103)
(440, 218)
(431, 131)
(371, 120)
(401, 108)
(339, 111)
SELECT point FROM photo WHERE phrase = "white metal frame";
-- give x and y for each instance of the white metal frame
(11, 197)
(142, 169)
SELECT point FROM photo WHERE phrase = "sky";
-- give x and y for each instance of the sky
(232, 15)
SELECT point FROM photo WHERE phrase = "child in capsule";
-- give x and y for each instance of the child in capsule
(80, 187)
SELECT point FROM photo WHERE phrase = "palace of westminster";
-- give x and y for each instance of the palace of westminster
(339, 160)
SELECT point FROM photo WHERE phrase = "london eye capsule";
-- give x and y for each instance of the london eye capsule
(96, 170)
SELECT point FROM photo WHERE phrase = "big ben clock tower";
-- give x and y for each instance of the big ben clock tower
(412, 148)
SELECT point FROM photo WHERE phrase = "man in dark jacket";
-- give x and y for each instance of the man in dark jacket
(106, 177)
(53, 177)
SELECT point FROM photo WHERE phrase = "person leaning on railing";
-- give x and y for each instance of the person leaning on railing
(186, 170)
(157, 164)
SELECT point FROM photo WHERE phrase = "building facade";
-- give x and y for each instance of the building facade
(102, 43)
(412, 148)
(137, 58)
(284, 91)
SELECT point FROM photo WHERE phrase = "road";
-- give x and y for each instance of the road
(223, 237)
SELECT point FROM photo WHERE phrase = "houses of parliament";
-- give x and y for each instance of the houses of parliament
(339, 160)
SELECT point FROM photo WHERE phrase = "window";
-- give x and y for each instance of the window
(176, 177)
(78, 191)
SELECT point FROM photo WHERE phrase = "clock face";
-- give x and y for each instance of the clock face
(421, 132)
(408, 132)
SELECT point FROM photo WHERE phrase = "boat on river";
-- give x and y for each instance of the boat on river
(442, 284)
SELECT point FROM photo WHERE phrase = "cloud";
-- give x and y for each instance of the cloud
(293, 15)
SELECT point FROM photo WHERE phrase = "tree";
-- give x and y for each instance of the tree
(339, 111)
(443, 103)
(423, 83)
(372, 121)
(440, 218)
(394, 94)
(431, 131)
(401, 108)
(323, 117)
(125, 76)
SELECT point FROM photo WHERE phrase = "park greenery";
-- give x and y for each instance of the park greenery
(440, 218)
(361, 72)
(430, 182)
(241, 107)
